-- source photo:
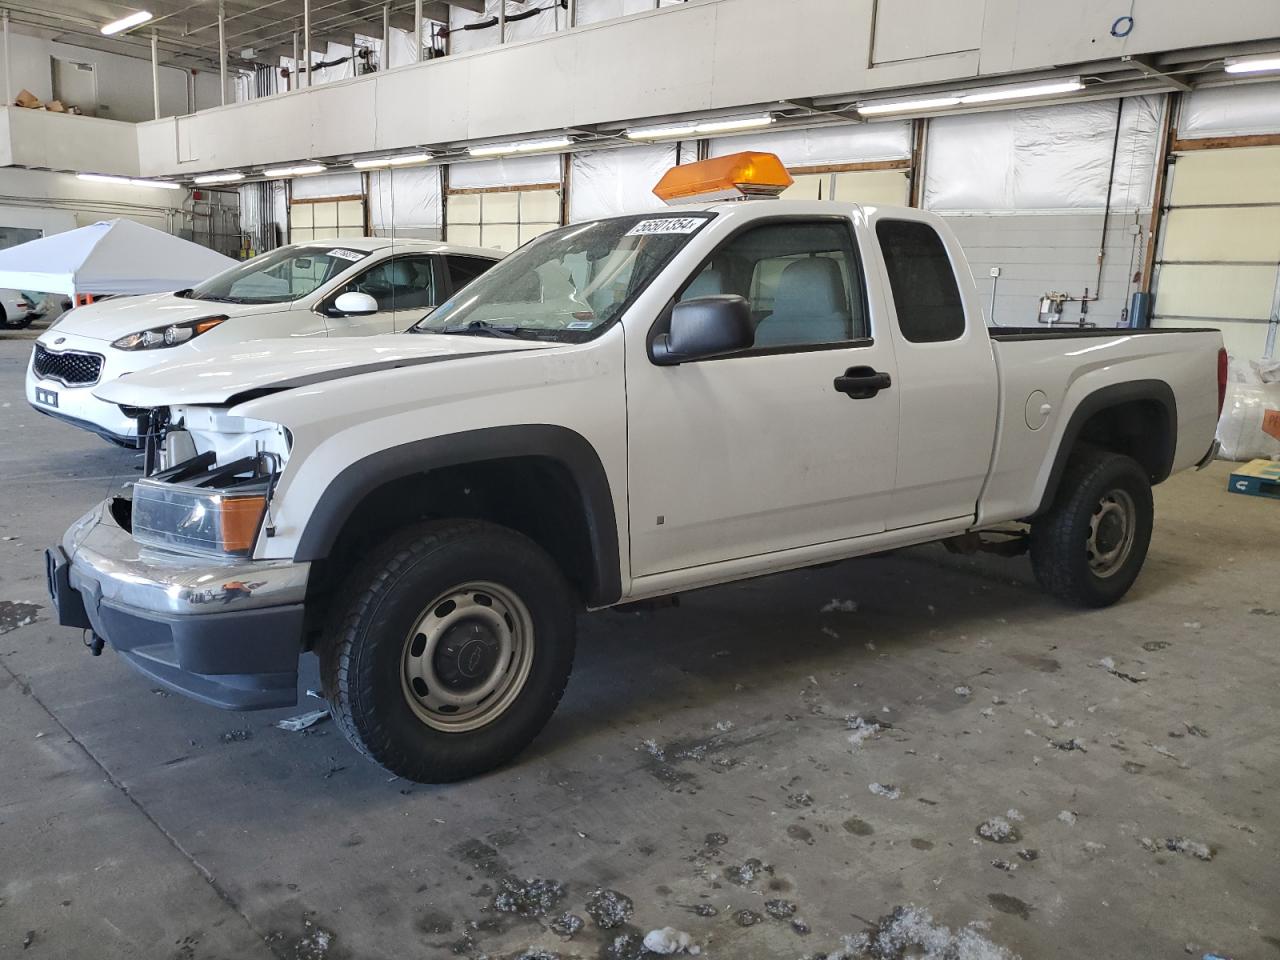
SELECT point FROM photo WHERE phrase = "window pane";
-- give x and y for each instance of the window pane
(402, 283)
(540, 206)
(924, 285)
(464, 208)
(802, 280)
(462, 270)
(325, 214)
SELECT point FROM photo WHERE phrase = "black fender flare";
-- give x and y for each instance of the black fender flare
(569, 448)
(1156, 391)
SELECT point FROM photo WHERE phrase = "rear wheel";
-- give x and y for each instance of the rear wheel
(453, 649)
(1089, 547)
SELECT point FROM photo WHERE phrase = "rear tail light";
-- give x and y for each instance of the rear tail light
(1222, 378)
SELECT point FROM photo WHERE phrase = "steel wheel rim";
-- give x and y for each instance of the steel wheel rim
(467, 657)
(1112, 531)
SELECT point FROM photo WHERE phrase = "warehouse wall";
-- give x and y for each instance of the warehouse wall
(124, 83)
(54, 202)
(698, 56)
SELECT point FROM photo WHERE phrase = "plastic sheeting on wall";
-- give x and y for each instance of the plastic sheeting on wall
(506, 171)
(608, 183)
(407, 199)
(460, 40)
(593, 11)
(1043, 158)
(330, 185)
(845, 143)
(1231, 111)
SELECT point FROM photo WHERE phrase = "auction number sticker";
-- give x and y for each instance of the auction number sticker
(346, 254)
(664, 225)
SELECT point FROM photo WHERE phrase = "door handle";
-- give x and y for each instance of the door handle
(862, 383)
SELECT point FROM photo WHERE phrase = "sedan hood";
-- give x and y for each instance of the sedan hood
(240, 372)
(112, 319)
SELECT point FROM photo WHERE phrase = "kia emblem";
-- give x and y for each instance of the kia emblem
(60, 340)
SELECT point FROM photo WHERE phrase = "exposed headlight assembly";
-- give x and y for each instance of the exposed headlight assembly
(171, 336)
(200, 507)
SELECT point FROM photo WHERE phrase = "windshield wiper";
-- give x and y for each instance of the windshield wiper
(481, 328)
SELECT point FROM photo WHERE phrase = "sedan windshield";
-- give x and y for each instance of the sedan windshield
(567, 284)
(279, 276)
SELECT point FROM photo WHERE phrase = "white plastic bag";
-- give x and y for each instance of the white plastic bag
(1240, 426)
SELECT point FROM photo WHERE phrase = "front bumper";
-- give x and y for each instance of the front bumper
(228, 634)
(78, 407)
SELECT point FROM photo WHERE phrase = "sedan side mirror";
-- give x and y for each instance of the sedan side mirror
(705, 327)
(354, 304)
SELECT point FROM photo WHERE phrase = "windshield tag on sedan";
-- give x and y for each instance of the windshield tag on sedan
(580, 325)
(664, 225)
(346, 254)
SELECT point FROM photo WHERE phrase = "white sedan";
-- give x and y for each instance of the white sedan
(342, 288)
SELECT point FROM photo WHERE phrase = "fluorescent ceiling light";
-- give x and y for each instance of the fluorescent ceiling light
(124, 23)
(961, 97)
(219, 178)
(400, 161)
(734, 123)
(1017, 93)
(300, 170)
(523, 146)
(660, 133)
(907, 106)
(128, 181)
(1268, 61)
(697, 126)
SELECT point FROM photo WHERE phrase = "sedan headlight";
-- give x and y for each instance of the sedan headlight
(171, 336)
(193, 518)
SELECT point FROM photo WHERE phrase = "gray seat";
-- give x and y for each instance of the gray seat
(810, 306)
(709, 283)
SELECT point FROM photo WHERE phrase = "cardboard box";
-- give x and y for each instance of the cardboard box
(1257, 478)
(26, 98)
(55, 106)
(1271, 423)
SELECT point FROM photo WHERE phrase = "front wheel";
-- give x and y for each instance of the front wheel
(452, 650)
(1089, 547)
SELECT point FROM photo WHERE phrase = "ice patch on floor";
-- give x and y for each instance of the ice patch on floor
(840, 606)
(860, 730)
(911, 932)
(886, 790)
(1067, 816)
(669, 940)
(998, 830)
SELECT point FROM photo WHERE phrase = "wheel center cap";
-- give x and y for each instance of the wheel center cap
(467, 655)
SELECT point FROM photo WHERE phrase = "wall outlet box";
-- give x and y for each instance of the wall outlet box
(995, 271)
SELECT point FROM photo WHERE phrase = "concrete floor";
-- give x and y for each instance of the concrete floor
(691, 742)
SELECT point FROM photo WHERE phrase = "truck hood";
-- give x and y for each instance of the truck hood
(245, 371)
(112, 319)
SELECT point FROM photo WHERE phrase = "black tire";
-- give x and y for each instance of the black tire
(1068, 555)
(364, 660)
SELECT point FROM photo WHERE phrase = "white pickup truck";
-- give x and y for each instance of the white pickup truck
(620, 410)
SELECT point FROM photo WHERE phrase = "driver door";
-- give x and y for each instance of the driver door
(404, 288)
(760, 452)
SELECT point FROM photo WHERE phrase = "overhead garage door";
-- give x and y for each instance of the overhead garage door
(1219, 257)
(853, 183)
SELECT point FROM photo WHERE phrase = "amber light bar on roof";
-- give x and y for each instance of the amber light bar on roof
(735, 177)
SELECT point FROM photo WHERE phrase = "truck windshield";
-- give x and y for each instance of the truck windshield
(567, 284)
(279, 276)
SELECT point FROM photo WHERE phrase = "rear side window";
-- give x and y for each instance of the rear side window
(462, 270)
(924, 286)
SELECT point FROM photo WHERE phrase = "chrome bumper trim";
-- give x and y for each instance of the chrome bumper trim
(106, 562)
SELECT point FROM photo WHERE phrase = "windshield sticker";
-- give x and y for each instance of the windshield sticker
(351, 255)
(664, 225)
(580, 325)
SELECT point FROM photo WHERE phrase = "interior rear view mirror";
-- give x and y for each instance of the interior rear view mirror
(705, 327)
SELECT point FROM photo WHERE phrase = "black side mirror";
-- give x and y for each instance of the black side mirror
(705, 327)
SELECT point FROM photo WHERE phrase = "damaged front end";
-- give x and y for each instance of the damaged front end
(167, 576)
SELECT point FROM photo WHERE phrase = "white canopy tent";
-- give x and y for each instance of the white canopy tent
(117, 257)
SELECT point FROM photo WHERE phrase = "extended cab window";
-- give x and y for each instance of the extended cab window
(462, 270)
(802, 279)
(924, 286)
(401, 283)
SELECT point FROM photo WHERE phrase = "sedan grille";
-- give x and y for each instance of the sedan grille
(69, 367)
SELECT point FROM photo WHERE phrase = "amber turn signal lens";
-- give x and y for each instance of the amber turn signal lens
(241, 517)
(725, 178)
